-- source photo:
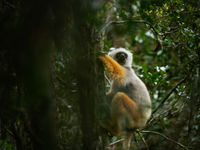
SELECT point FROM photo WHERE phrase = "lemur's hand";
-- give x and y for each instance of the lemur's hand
(102, 55)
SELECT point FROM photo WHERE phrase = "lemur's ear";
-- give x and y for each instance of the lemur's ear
(112, 49)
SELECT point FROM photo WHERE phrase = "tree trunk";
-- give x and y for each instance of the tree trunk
(89, 76)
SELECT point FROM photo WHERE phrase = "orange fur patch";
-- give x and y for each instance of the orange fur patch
(125, 103)
(116, 71)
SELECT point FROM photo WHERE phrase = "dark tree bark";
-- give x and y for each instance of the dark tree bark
(90, 76)
(27, 43)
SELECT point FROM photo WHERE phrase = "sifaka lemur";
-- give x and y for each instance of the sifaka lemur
(131, 103)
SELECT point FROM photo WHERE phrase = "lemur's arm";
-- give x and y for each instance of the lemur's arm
(115, 70)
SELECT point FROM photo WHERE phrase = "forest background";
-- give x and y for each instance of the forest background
(52, 84)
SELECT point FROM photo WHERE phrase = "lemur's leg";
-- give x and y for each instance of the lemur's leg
(127, 140)
(115, 70)
(124, 112)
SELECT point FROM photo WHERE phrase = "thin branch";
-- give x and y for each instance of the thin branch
(9, 132)
(125, 21)
(168, 95)
(164, 136)
(162, 35)
(109, 82)
(143, 140)
(113, 143)
(164, 114)
(137, 21)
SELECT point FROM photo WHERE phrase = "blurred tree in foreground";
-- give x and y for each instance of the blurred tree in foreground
(52, 85)
(35, 35)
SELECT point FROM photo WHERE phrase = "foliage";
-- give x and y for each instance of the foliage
(163, 37)
(165, 44)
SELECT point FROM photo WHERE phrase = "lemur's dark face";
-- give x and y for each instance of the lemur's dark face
(121, 57)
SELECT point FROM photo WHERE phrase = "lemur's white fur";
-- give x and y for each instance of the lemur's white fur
(131, 103)
(114, 51)
(141, 95)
